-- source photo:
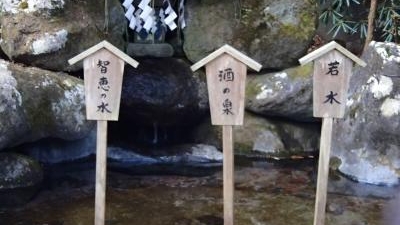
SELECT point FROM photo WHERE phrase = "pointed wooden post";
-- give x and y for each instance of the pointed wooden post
(226, 70)
(103, 66)
(332, 70)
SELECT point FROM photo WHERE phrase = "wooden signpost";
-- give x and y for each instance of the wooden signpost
(332, 70)
(226, 70)
(103, 66)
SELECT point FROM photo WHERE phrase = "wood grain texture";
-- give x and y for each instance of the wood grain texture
(325, 84)
(328, 48)
(227, 49)
(323, 171)
(101, 171)
(103, 45)
(108, 94)
(228, 174)
(221, 92)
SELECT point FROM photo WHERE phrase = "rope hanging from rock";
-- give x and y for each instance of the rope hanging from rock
(181, 20)
(106, 19)
(237, 4)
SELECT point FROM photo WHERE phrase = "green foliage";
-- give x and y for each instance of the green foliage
(351, 16)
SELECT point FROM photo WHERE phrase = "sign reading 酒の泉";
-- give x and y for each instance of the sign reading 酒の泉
(226, 70)
(225, 81)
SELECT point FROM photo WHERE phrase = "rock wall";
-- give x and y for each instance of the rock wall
(274, 33)
(46, 34)
(37, 103)
(367, 140)
(39, 100)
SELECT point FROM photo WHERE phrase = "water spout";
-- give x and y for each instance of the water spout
(155, 133)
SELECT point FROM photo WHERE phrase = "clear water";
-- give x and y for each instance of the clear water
(266, 193)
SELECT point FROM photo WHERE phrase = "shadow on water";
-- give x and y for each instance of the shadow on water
(81, 173)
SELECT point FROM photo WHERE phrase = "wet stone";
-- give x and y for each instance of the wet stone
(335, 208)
(20, 178)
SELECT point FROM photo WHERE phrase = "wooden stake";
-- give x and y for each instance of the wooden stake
(226, 70)
(103, 66)
(332, 71)
(101, 170)
(323, 171)
(228, 169)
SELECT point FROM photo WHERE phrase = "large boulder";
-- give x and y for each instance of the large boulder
(264, 137)
(163, 91)
(47, 33)
(20, 178)
(367, 140)
(56, 150)
(274, 33)
(287, 93)
(36, 103)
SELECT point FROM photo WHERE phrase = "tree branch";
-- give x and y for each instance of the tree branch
(371, 19)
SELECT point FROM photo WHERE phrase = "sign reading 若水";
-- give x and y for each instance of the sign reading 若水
(332, 70)
(331, 80)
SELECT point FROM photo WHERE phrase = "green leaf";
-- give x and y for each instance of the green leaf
(389, 37)
(346, 27)
(363, 31)
(341, 13)
(337, 13)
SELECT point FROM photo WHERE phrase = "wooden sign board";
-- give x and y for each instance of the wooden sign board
(330, 84)
(332, 70)
(103, 73)
(226, 70)
(226, 79)
(103, 70)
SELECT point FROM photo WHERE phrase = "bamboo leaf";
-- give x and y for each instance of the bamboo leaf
(336, 31)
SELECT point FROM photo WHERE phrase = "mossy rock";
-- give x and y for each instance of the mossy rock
(264, 137)
(49, 33)
(287, 93)
(366, 140)
(274, 33)
(20, 178)
(37, 104)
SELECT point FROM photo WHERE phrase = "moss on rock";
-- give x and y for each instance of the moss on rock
(274, 33)
(18, 171)
(23, 5)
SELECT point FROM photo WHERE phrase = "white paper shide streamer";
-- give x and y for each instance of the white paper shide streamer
(181, 20)
(170, 15)
(143, 16)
